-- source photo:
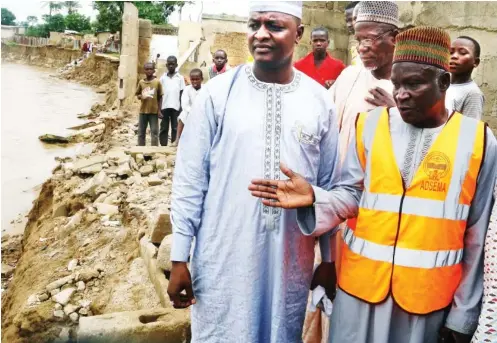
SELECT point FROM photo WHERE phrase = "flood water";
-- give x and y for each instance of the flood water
(33, 103)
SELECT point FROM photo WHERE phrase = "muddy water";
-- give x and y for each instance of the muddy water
(33, 103)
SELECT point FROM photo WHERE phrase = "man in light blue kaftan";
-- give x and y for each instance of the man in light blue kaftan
(251, 265)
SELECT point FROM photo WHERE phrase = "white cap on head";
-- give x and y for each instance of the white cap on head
(288, 7)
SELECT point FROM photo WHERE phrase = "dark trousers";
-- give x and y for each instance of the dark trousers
(143, 122)
(168, 114)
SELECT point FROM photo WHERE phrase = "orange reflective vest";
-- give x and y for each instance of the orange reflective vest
(408, 241)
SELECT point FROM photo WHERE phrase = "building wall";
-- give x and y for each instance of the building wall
(103, 36)
(329, 14)
(220, 32)
(469, 18)
(127, 72)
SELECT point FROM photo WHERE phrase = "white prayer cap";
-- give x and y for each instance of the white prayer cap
(289, 7)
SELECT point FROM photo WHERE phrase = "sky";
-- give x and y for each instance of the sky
(24, 8)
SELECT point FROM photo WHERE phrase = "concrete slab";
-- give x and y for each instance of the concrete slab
(151, 150)
(146, 326)
(161, 225)
(148, 252)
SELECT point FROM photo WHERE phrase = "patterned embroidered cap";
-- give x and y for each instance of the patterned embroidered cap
(378, 11)
(426, 45)
(289, 7)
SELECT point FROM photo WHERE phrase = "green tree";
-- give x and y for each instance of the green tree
(56, 23)
(110, 12)
(32, 20)
(71, 6)
(38, 31)
(53, 7)
(8, 18)
(77, 22)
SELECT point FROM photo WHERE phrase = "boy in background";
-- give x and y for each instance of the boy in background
(188, 97)
(464, 95)
(173, 84)
(150, 93)
(219, 66)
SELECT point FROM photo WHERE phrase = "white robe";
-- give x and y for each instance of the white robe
(251, 265)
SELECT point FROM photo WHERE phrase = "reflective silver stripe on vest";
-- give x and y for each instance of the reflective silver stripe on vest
(403, 257)
(416, 206)
(450, 208)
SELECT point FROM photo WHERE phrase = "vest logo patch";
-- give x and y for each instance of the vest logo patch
(436, 166)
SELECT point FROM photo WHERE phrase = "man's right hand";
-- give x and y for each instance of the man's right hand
(179, 281)
(295, 192)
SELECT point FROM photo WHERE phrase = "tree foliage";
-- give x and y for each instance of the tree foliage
(71, 6)
(32, 20)
(56, 23)
(110, 13)
(8, 18)
(77, 22)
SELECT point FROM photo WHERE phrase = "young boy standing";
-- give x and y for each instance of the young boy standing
(173, 84)
(219, 66)
(191, 91)
(150, 93)
(464, 95)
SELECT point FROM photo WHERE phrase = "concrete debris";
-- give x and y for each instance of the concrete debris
(151, 326)
(83, 312)
(64, 296)
(94, 169)
(164, 254)
(139, 159)
(43, 297)
(32, 300)
(54, 291)
(151, 150)
(87, 275)
(59, 314)
(74, 317)
(70, 308)
(88, 162)
(58, 306)
(7, 270)
(72, 265)
(161, 225)
(81, 286)
(146, 170)
(53, 139)
(107, 209)
(60, 282)
(154, 180)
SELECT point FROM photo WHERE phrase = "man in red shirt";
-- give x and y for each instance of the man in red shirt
(318, 64)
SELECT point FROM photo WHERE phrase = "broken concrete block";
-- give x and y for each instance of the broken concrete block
(164, 254)
(64, 296)
(94, 169)
(161, 164)
(150, 150)
(72, 265)
(88, 162)
(106, 209)
(124, 169)
(146, 170)
(151, 326)
(70, 308)
(161, 225)
(87, 275)
(53, 139)
(154, 180)
(139, 159)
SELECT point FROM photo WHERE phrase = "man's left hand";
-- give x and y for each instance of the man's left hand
(325, 276)
(447, 335)
(381, 98)
(329, 83)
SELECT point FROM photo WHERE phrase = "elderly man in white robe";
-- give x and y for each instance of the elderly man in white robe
(251, 267)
